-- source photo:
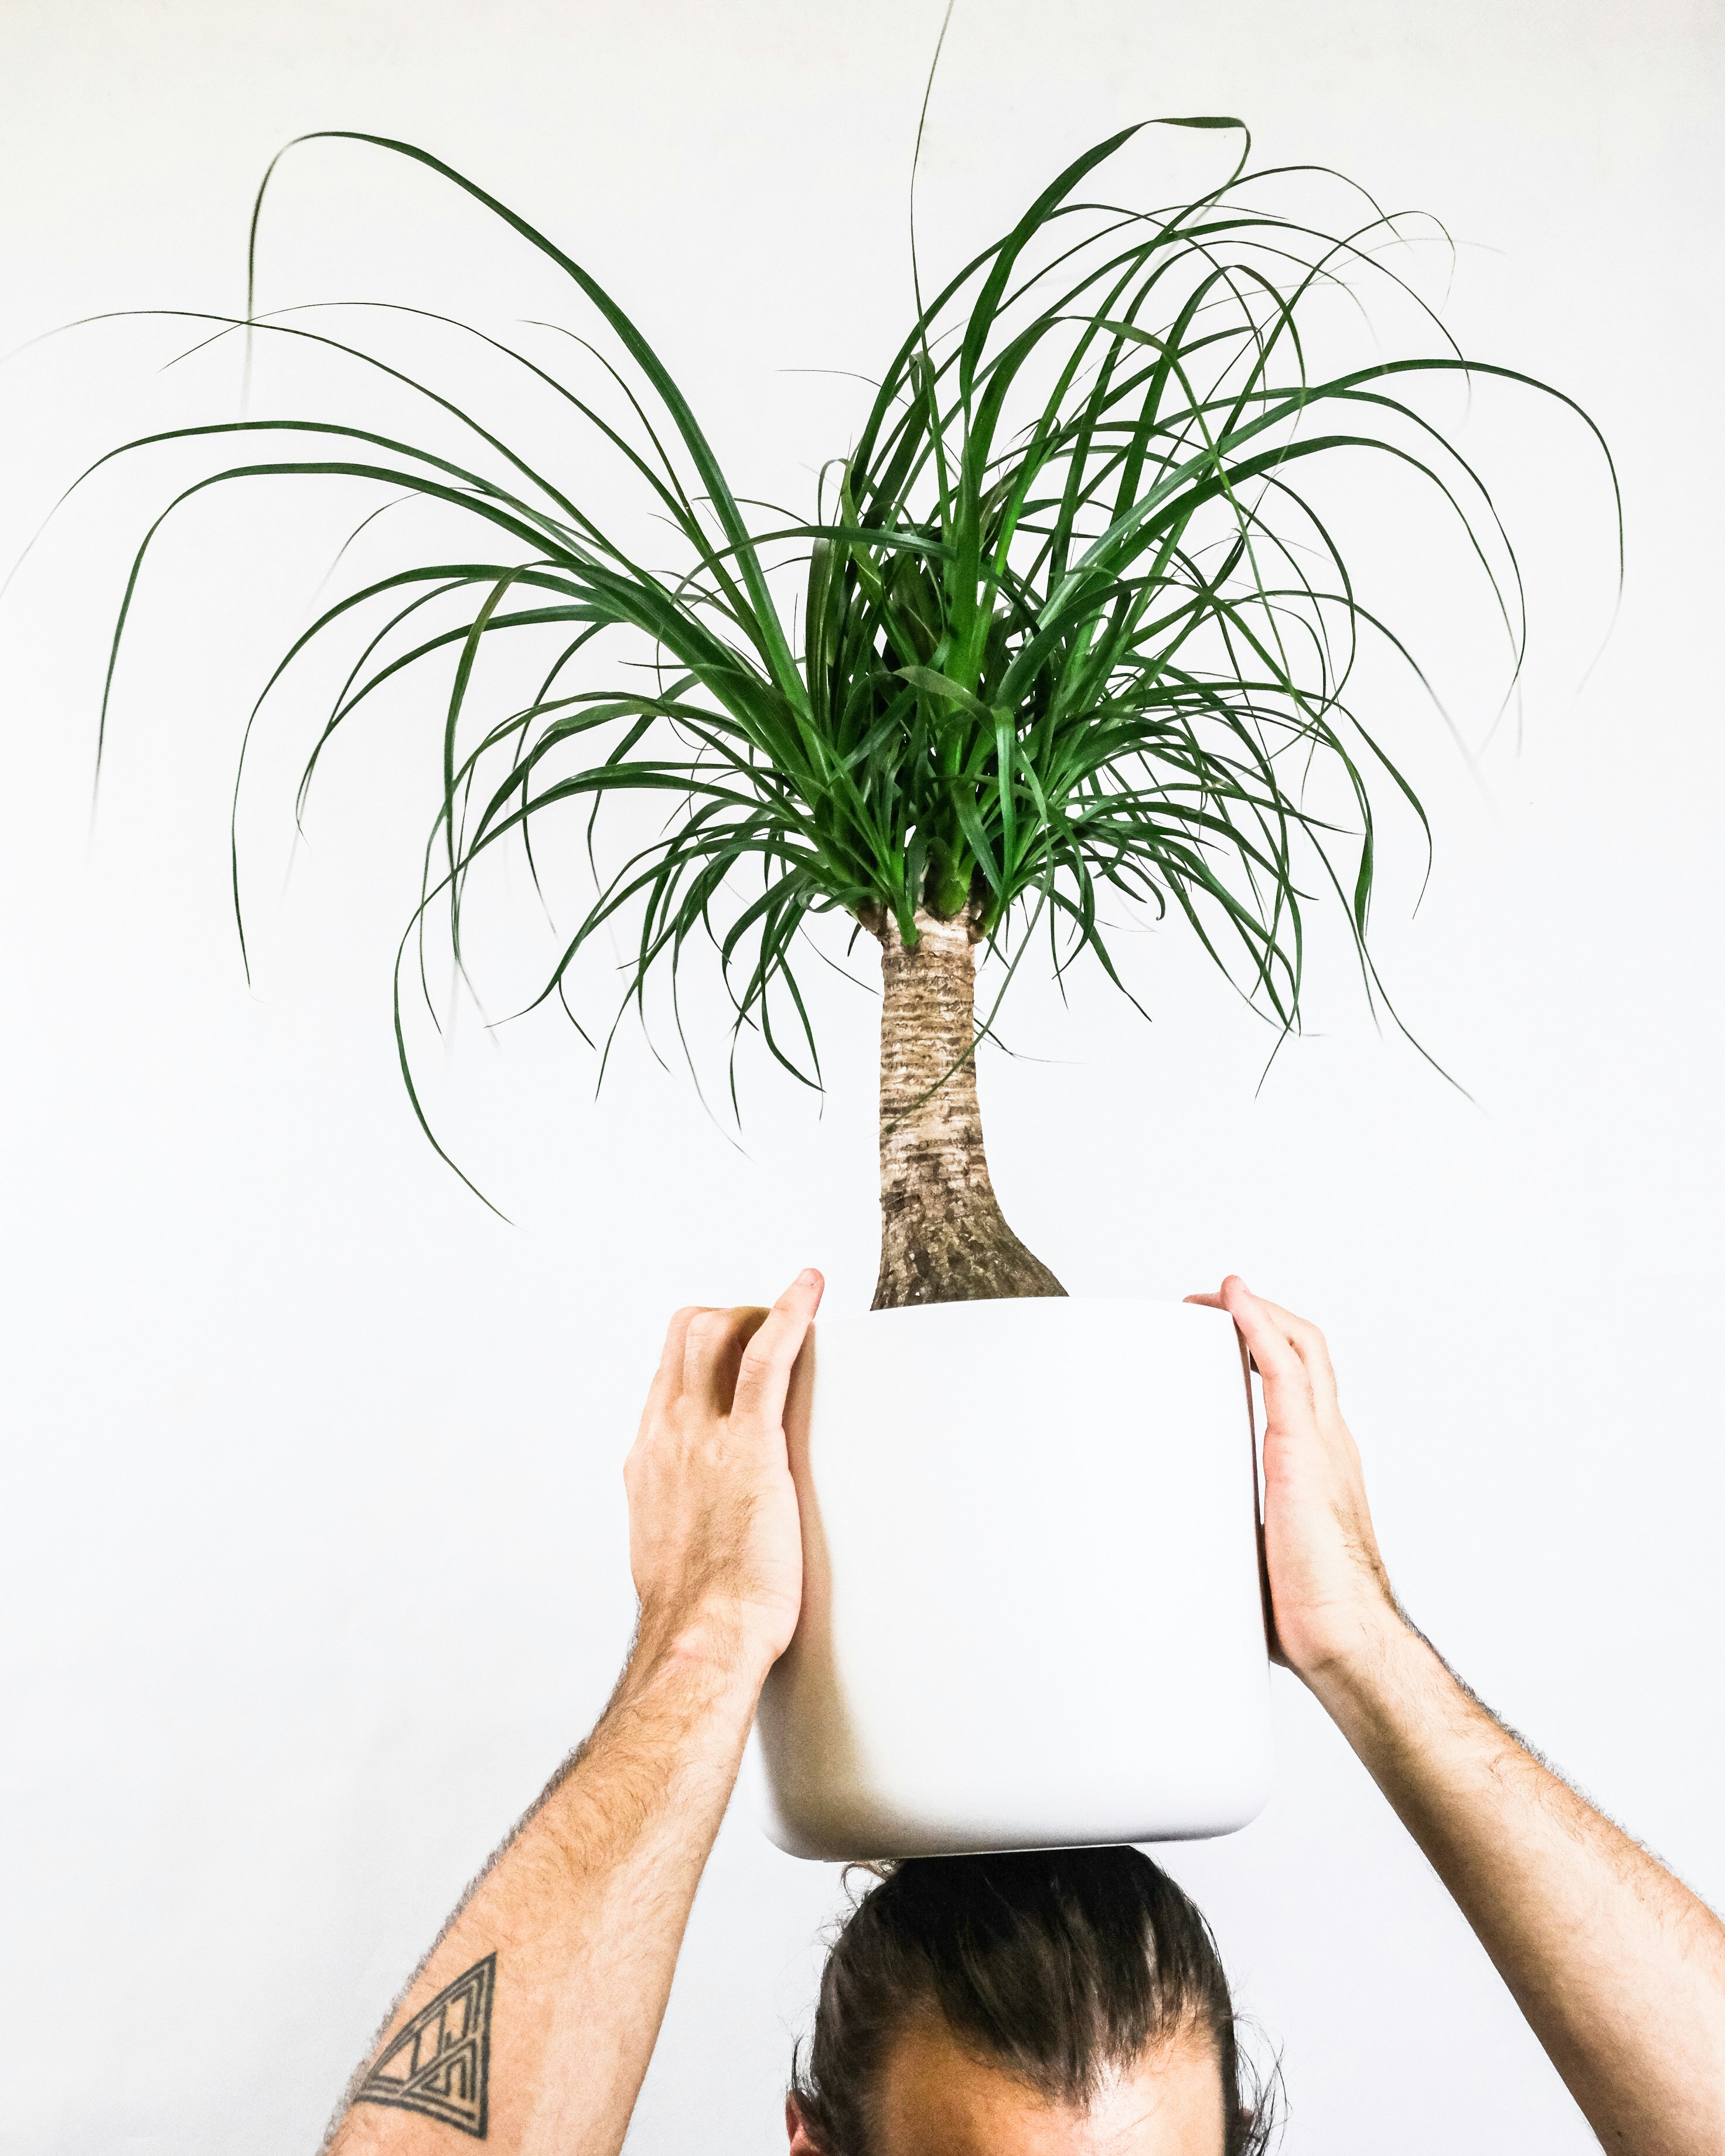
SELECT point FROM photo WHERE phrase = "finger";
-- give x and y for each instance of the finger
(668, 1377)
(711, 1348)
(677, 1333)
(764, 1375)
(1271, 1349)
(1209, 1301)
(1309, 1344)
(1300, 1333)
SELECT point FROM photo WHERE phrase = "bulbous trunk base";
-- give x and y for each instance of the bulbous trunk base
(943, 1237)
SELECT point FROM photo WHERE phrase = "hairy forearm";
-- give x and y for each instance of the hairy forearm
(1620, 1970)
(559, 1963)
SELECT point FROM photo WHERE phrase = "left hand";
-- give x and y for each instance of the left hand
(1330, 1596)
(716, 1542)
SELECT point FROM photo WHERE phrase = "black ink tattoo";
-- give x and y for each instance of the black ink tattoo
(440, 2064)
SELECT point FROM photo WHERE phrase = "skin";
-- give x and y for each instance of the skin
(1618, 1969)
(586, 1906)
(937, 2099)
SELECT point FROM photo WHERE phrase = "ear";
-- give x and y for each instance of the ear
(801, 2142)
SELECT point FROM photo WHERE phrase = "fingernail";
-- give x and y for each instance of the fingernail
(806, 1275)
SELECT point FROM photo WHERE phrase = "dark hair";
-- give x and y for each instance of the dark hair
(1060, 1964)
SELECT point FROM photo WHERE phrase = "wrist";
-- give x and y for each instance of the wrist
(1391, 1690)
(689, 1690)
(1362, 1660)
(713, 1645)
(1420, 1732)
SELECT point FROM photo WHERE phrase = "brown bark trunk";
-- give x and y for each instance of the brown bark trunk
(943, 1237)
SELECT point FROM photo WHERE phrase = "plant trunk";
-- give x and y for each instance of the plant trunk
(943, 1237)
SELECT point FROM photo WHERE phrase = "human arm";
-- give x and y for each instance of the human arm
(1619, 1969)
(558, 1967)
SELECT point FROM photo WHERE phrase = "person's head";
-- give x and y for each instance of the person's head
(1040, 2004)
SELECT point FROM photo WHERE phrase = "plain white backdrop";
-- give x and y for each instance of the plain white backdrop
(314, 1555)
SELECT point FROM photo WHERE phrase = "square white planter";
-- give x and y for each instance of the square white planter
(1032, 1614)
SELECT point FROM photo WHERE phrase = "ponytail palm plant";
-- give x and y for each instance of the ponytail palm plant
(1066, 629)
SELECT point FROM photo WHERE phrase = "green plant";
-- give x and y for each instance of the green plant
(1070, 624)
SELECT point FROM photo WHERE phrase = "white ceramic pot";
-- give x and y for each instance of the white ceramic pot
(1032, 1614)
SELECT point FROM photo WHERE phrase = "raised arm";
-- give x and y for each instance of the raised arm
(531, 2022)
(1620, 1970)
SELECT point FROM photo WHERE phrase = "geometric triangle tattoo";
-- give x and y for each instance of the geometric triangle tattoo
(440, 2064)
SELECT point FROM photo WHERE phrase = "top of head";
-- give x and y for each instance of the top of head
(1037, 2003)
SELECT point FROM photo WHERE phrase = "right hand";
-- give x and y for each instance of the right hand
(1330, 1595)
(714, 1541)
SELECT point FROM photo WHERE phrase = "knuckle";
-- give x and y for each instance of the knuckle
(1315, 1352)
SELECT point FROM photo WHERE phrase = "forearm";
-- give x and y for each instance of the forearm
(1620, 1970)
(584, 1911)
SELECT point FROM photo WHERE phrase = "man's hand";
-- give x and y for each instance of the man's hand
(539, 2004)
(1329, 1593)
(715, 1541)
(1619, 1969)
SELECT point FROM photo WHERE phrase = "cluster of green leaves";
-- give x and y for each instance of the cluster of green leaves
(1068, 624)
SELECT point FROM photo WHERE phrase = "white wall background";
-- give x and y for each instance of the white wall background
(314, 1536)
